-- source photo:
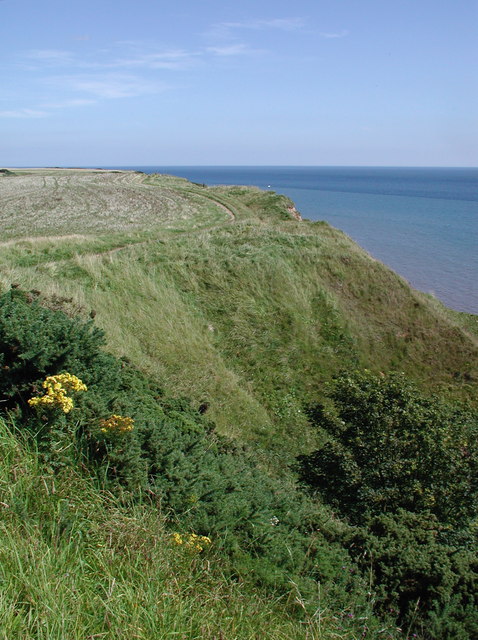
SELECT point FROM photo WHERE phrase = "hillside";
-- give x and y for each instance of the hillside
(220, 421)
(223, 295)
(77, 564)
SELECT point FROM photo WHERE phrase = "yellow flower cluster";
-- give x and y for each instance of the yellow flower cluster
(117, 424)
(192, 541)
(56, 389)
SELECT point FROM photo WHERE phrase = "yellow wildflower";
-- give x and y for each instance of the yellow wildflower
(117, 424)
(56, 388)
(177, 539)
(192, 541)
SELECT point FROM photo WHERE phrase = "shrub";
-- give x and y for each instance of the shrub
(431, 585)
(403, 467)
(388, 447)
(36, 342)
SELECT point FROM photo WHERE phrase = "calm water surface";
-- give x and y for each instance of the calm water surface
(422, 222)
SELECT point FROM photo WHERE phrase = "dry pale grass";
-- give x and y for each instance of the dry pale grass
(74, 202)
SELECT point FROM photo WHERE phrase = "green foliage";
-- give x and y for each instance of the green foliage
(403, 467)
(172, 457)
(36, 342)
(215, 488)
(390, 447)
(76, 564)
(208, 484)
(433, 586)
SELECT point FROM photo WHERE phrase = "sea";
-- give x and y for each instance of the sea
(421, 222)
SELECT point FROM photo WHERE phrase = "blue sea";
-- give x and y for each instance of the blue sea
(422, 222)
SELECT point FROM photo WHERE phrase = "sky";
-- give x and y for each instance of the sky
(250, 82)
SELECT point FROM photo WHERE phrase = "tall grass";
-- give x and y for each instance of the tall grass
(76, 565)
(250, 315)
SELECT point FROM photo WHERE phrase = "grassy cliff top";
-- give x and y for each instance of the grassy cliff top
(224, 295)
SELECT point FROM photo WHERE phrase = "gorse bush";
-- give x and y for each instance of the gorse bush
(430, 584)
(390, 448)
(36, 342)
(404, 468)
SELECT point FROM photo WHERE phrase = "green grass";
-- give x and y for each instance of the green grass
(221, 296)
(233, 302)
(75, 564)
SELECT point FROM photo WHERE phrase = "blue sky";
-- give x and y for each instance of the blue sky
(213, 82)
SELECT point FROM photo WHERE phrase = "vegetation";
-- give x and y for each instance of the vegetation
(229, 338)
(404, 468)
(392, 448)
(77, 564)
(142, 446)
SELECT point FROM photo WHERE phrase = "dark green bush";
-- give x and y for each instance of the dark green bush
(390, 448)
(36, 342)
(431, 585)
(404, 468)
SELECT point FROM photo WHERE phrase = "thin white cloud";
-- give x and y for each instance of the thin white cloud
(282, 24)
(176, 59)
(103, 59)
(107, 86)
(232, 50)
(339, 34)
(62, 104)
(85, 90)
(23, 113)
(285, 24)
(52, 57)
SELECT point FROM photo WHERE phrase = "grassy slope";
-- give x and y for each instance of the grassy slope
(233, 302)
(224, 296)
(75, 565)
